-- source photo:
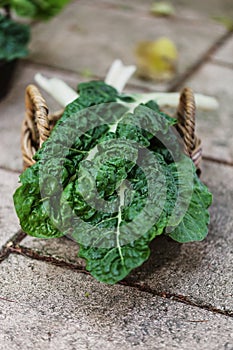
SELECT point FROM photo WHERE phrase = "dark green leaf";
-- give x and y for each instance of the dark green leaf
(194, 226)
(14, 38)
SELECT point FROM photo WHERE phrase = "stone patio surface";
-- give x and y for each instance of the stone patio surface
(182, 297)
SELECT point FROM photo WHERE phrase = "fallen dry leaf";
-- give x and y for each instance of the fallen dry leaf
(162, 8)
(156, 59)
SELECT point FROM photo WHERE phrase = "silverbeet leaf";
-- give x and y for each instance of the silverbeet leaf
(106, 265)
(193, 226)
(113, 179)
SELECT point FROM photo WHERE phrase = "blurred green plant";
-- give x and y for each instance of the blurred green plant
(42, 9)
(14, 37)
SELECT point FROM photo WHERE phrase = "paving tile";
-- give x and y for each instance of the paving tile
(225, 53)
(202, 271)
(12, 111)
(215, 128)
(56, 308)
(99, 34)
(184, 8)
(8, 220)
(208, 8)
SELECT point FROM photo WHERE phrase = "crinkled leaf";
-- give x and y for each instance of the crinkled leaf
(194, 226)
(107, 266)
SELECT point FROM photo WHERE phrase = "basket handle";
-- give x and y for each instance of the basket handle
(38, 123)
(186, 116)
(35, 127)
(37, 114)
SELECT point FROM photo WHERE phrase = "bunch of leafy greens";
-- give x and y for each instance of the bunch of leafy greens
(14, 38)
(106, 171)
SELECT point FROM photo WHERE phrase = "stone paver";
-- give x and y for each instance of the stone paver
(8, 219)
(209, 8)
(12, 111)
(189, 8)
(215, 127)
(56, 308)
(99, 34)
(202, 271)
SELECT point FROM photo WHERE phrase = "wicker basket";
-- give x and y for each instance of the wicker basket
(38, 124)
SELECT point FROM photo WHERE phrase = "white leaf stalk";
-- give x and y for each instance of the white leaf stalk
(57, 88)
(171, 99)
(117, 76)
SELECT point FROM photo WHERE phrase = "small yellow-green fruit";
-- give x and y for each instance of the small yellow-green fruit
(157, 59)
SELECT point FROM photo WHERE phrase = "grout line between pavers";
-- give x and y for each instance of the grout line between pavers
(36, 255)
(176, 297)
(33, 254)
(221, 63)
(217, 160)
(5, 249)
(15, 171)
(179, 81)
